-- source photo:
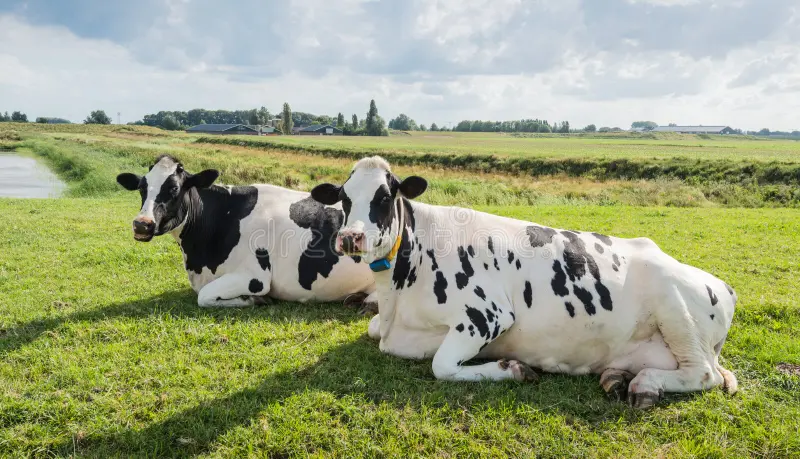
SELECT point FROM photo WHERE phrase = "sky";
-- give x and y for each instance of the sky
(606, 62)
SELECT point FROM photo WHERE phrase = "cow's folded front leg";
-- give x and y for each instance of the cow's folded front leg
(466, 339)
(233, 290)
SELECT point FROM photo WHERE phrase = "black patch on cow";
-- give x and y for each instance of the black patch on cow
(605, 296)
(486, 266)
(528, 294)
(513, 317)
(616, 259)
(462, 278)
(540, 235)
(479, 291)
(586, 298)
(496, 330)
(460, 328)
(490, 244)
(729, 288)
(255, 286)
(598, 247)
(490, 315)
(604, 239)
(712, 296)
(577, 259)
(440, 287)
(614, 267)
(412, 277)
(570, 309)
(471, 330)
(712, 316)
(381, 207)
(213, 224)
(494, 306)
(402, 265)
(471, 251)
(496, 265)
(559, 282)
(519, 265)
(479, 320)
(434, 265)
(510, 257)
(319, 257)
(356, 258)
(263, 258)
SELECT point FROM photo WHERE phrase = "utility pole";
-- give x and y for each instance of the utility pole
(119, 118)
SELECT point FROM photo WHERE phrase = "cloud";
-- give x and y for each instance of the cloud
(702, 61)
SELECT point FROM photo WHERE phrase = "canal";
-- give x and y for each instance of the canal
(25, 177)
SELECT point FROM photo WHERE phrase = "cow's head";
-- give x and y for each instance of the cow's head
(370, 198)
(165, 195)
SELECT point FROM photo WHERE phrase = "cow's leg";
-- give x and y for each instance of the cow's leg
(696, 366)
(466, 339)
(233, 290)
(367, 303)
(374, 330)
(615, 383)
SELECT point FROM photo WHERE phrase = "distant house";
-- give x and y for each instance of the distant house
(318, 129)
(269, 130)
(696, 129)
(229, 129)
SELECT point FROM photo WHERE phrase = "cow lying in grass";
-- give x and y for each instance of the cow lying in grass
(241, 243)
(457, 284)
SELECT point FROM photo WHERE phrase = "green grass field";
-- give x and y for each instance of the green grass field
(105, 353)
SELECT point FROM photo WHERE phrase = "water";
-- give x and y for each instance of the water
(23, 177)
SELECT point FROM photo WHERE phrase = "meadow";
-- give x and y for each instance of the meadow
(105, 353)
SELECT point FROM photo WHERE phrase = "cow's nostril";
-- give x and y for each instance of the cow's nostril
(359, 237)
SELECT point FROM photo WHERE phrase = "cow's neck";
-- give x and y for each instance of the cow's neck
(202, 212)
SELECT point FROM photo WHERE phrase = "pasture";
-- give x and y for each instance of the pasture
(105, 353)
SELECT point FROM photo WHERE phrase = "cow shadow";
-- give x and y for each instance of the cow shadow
(178, 303)
(356, 369)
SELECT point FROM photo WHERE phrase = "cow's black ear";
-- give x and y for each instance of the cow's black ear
(129, 181)
(326, 193)
(201, 179)
(413, 186)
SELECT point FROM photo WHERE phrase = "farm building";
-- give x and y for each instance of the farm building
(269, 130)
(318, 129)
(236, 129)
(695, 129)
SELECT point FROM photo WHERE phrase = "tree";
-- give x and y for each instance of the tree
(646, 125)
(97, 117)
(434, 127)
(286, 119)
(764, 131)
(254, 119)
(374, 127)
(590, 128)
(355, 122)
(41, 120)
(340, 121)
(4, 117)
(403, 123)
(171, 124)
(422, 127)
(19, 117)
(672, 124)
(264, 116)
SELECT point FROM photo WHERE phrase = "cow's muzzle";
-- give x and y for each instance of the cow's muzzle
(143, 229)
(350, 242)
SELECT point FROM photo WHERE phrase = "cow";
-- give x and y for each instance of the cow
(456, 284)
(242, 243)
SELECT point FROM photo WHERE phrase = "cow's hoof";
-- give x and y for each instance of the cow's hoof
(615, 384)
(368, 308)
(519, 370)
(644, 400)
(354, 300)
(263, 300)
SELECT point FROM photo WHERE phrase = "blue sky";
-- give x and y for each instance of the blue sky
(607, 62)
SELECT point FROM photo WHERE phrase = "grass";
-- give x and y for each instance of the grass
(105, 354)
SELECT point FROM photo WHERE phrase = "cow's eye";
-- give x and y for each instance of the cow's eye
(386, 199)
(175, 190)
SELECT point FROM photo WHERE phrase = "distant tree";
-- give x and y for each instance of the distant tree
(564, 127)
(604, 129)
(374, 126)
(286, 119)
(355, 122)
(19, 117)
(41, 120)
(403, 123)
(264, 116)
(590, 128)
(646, 125)
(340, 121)
(4, 117)
(254, 119)
(672, 124)
(422, 127)
(764, 131)
(434, 127)
(170, 123)
(97, 117)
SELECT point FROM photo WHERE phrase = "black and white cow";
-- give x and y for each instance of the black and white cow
(467, 284)
(241, 243)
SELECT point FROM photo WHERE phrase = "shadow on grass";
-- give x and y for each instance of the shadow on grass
(179, 303)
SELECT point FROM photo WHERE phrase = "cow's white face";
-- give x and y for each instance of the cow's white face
(370, 200)
(164, 195)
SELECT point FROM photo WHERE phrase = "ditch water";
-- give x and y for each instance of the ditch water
(24, 177)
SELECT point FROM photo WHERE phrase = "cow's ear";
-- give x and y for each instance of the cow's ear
(326, 193)
(201, 179)
(413, 186)
(129, 181)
